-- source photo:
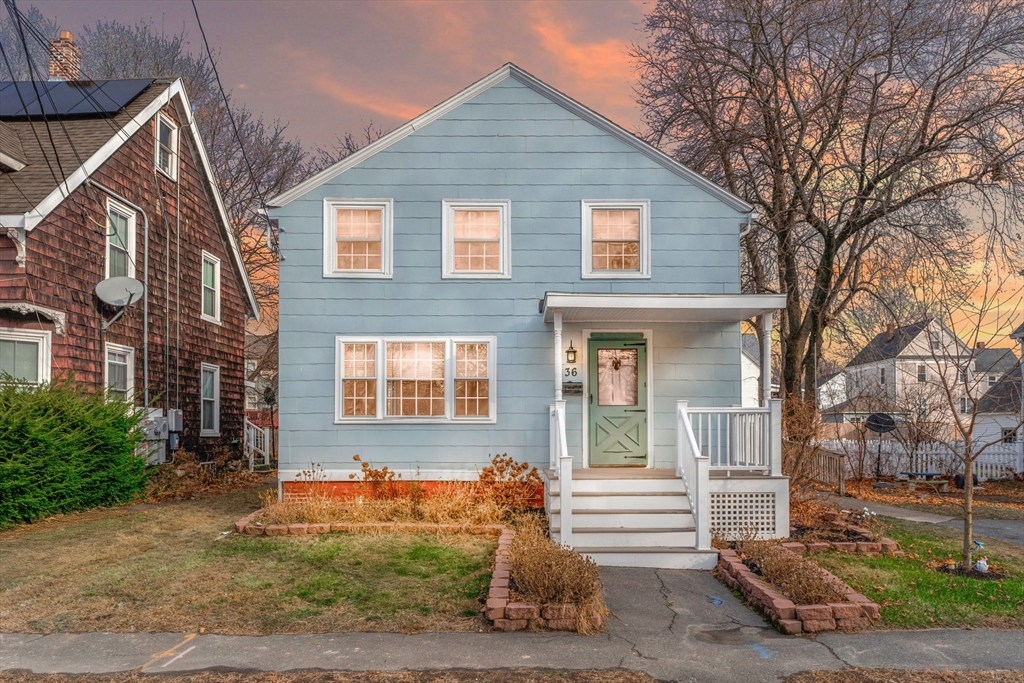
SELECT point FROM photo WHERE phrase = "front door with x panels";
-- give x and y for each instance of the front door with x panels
(617, 401)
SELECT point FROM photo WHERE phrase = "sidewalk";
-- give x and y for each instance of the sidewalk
(673, 625)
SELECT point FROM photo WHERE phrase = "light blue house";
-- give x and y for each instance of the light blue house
(512, 272)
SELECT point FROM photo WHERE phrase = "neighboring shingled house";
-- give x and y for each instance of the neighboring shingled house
(110, 179)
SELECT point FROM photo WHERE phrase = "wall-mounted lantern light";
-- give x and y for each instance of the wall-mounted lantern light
(570, 354)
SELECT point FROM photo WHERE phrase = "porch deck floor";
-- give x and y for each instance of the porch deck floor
(616, 473)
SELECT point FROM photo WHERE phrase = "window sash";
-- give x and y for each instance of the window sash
(19, 358)
(211, 288)
(616, 239)
(166, 146)
(120, 241)
(356, 245)
(209, 392)
(414, 379)
(922, 373)
(476, 238)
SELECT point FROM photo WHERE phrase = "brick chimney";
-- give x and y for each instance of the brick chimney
(65, 58)
(890, 332)
(979, 345)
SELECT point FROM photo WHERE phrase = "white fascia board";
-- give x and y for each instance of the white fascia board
(12, 220)
(705, 306)
(561, 99)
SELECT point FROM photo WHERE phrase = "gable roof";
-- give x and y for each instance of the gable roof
(1003, 397)
(994, 361)
(510, 70)
(30, 194)
(883, 348)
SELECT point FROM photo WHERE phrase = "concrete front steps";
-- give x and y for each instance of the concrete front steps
(635, 517)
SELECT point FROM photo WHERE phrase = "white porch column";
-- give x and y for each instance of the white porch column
(766, 358)
(558, 354)
(775, 437)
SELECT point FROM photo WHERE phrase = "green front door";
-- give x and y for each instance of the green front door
(617, 401)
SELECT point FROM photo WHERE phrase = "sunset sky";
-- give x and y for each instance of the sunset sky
(331, 67)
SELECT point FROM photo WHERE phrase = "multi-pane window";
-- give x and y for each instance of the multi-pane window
(922, 373)
(120, 240)
(24, 356)
(357, 238)
(166, 146)
(359, 380)
(120, 371)
(616, 239)
(432, 379)
(472, 387)
(415, 379)
(1009, 435)
(209, 391)
(211, 288)
(476, 239)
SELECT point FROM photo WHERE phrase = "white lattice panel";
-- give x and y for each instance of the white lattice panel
(735, 515)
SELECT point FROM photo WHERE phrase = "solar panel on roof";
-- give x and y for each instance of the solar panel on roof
(68, 98)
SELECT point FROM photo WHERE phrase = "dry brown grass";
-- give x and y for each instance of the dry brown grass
(509, 676)
(798, 578)
(173, 568)
(905, 676)
(186, 479)
(547, 573)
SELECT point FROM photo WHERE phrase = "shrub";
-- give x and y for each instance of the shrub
(545, 572)
(509, 483)
(798, 578)
(63, 448)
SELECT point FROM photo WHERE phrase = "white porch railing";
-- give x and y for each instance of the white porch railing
(561, 462)
(694, 467)
(748, 439)
(256, 444)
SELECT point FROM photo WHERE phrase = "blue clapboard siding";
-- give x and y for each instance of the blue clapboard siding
(509, 142)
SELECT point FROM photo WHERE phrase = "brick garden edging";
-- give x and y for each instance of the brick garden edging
(856, 613)
(505, 615)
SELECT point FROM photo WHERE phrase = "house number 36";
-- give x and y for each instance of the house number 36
(571, 372)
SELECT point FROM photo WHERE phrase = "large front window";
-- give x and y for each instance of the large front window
(415, 379)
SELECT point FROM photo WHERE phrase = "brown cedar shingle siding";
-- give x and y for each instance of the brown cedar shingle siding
(65, 260)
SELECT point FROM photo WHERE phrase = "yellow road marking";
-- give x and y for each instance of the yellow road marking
(167, 653)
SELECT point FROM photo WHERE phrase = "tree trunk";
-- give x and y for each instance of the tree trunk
(968, 506)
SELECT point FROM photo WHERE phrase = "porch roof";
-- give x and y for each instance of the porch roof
(723, 308)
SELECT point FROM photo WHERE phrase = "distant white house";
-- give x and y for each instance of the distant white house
(831, 390)
(750, 361)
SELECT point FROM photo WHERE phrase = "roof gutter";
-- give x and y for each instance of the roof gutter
(145, 282)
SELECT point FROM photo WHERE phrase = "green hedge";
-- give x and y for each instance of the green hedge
(63, 448)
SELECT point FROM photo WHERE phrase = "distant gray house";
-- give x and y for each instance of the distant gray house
(1000, 409)
(512, 272)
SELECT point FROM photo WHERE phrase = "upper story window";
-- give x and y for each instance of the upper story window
(963, 406)
(211, 288)
(421, 379)
(881, 375)
(922, 373)
(617, 239)
(209, 392)
(357, 238)
(935, 338)
(25, 355)
(993, 380)
(120, 240)
(477, 239)
(120, 371)
(166, 147)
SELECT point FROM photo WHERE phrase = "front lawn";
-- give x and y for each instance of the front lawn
(172, 568)
(912, 594)
(993, 499)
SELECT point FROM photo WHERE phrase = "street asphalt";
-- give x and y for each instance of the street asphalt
(674, 625)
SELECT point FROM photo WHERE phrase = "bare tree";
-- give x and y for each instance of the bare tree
(858, 129)
(10, 38)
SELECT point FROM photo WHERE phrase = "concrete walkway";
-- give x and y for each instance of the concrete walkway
(673, 625)
(1008, 530)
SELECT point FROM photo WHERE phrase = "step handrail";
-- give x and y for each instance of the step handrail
(561, 460)
(695, 470)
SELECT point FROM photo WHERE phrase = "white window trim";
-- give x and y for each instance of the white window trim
(119, 208)
(386, 237)
(449, 379)
(448, 209)
(43, 338)
(216, 400)
(172, 172)
(130, 351)
(587, 206)
(207, 256)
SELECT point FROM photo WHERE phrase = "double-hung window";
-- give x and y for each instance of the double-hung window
(881, 375)
(25, 356)
(616, 239)
(357, 238)
(993, 380)
(922, 373)
(963, 406)
(166, 147)
(120, 371)
(120, 240)
(415, 379)
(209, 391)
(211, 288)
(477, 239)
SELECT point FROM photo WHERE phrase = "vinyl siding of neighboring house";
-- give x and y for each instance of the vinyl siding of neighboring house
(510, 143)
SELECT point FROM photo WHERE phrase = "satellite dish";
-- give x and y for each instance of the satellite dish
(880, 423)
(120, 291)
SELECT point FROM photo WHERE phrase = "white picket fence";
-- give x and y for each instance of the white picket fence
(997, 461)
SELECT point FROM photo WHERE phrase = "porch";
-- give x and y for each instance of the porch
(724, 471)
